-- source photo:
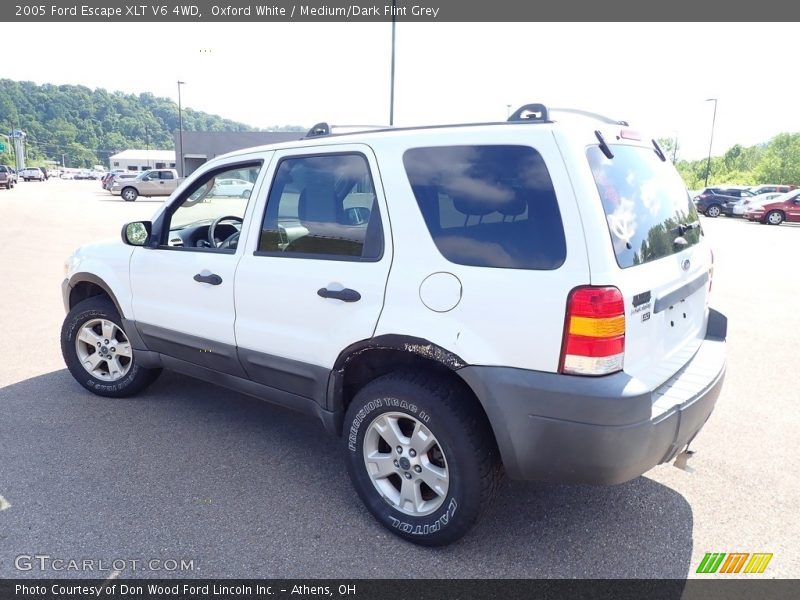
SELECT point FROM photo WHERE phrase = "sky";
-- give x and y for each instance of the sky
(655, 76)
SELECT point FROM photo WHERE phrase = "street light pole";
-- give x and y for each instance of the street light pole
(391, 84)
(180, 126)
(675, 149)
(711, 141)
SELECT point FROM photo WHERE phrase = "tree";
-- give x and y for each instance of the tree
(90, 125)
(670, 147)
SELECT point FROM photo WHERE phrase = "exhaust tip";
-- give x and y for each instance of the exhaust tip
(682, 461)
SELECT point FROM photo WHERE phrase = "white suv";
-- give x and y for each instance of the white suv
(451, 301)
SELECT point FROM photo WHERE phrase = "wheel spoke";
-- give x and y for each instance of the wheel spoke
(124, 349)
(92, 361)
(435, 477)
(109, 329)
(410, 496)
(89, 337)
(389, 430)
(380, 465)
(422, 439)
(115, 369)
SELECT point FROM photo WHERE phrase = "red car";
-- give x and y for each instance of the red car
(776, 211)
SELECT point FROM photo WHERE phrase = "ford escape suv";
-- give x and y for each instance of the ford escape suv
(454, 302)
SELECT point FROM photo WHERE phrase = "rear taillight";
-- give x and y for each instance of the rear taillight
(594, 332)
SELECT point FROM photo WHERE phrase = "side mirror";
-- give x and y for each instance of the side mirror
(137, 233)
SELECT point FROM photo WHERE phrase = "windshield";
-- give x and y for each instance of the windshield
(648, 210)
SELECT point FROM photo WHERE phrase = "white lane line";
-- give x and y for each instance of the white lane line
(4, 504)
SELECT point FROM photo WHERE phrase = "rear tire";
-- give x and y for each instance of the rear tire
(713, 211)
(97, 351)
(435, 466)
(129, 194)
(774, 217)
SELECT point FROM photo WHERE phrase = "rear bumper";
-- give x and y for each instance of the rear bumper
(601, 430)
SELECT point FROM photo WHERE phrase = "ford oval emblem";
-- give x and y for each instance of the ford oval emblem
(685, 265)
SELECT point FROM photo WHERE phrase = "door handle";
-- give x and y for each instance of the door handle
(345, 295)
(210, 279)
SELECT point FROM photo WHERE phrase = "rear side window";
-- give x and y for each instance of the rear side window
(646, 203)
(488, 206)
(323, 207)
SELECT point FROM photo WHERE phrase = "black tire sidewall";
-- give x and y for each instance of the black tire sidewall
(461, 506)
(77, 317)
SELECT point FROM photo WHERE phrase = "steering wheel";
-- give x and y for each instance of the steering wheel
(212, 229)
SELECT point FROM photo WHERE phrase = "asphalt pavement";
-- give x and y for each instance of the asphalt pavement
(217, 484)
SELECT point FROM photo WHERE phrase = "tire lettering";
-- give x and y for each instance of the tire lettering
(360, 416)
(428, 528)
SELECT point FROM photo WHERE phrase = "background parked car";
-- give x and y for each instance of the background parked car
(785, 207)
(32, 173)
(716, 201)
(108, 178)
(232, 187)
(119, 176)
(6, 178)
(740, 208)
(771, 187)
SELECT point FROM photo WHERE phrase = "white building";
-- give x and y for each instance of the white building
(142, 160)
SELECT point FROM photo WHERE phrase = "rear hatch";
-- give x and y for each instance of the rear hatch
(663, 265)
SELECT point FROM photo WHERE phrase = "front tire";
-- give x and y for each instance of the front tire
(774, 217)
(97, 351)
(421, 456)
(129, 194)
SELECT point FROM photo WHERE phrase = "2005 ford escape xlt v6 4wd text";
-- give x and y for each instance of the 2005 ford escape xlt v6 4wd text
(528, 296)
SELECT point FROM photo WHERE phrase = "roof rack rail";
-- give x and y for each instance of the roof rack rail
(321, 129)
(318, 130)
(586, 113)
(531, 112)
(539, 113)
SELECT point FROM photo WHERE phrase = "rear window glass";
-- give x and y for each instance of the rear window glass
(488, 206)
(646, 204)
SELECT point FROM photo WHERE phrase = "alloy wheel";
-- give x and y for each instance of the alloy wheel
(104, 350)
(406, 464)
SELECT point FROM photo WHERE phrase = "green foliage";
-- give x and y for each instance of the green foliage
(777, 161)
(670, 147)
(87, 126)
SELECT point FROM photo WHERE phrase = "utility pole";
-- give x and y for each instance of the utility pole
(711, 142)
(180, 127)
(391, 85)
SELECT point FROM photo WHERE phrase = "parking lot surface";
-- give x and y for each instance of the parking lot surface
(237, 488)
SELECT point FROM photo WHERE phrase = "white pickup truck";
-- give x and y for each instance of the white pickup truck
(155, 182)
(34, 173)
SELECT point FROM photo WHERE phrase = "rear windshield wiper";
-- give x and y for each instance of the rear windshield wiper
(682, 228)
